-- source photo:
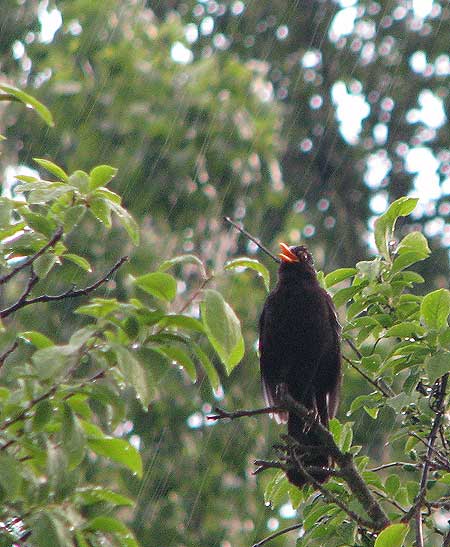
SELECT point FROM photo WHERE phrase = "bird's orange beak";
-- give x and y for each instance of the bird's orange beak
(287, 255)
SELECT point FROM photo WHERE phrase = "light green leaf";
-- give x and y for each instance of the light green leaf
(36, 338)
(405, 330)
(107, 194)
(385, 224)
(31, 102)
(79, 261)
(277, 489)
(107, 524)
(205, 361)
(392, 536)
(99, 307)
(369, 269)
(80, 180)
(10, 477)
(97, 494)
(101, 175)
(100, 208)
(119, 451)
(222, 328)
(344, 295)
(51, 167)
(183, 322)
(158, 284)
(414, 242)
(339, 275)
(51, 361)
(435, 308)
(181, 260)
(127, 221)
(43, 264)
(392, 484)
(252, 264)
(135, 374)
(407, 259)
(47, 530)
(437, 365)
(182, 358)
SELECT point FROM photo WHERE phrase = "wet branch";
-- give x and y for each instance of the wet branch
(70, 293)
(7, 353)
(277, 534)
(29, 261)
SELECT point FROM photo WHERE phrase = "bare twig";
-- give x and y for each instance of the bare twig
(393, 464)
(70, 293)
(415, 511)
(389, 500)
(367, 377)
(277, 534)
(7, 353)
(443, 460)
(22, 414)
(54, 239)
(223, 414)
(255, 241)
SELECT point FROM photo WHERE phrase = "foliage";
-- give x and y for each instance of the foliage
(61, 404)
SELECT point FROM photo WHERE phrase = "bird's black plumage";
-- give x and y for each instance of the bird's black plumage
(300, 348)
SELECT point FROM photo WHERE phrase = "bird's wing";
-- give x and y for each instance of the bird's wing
(268, 389)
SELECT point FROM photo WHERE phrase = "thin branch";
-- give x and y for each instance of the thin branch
(54, 239)
(443, 460)
(7, 353)
(255, 241)
(277, 534)
(354, 348)
(393, 464)
(367, 377)
(415, 511)
(223, 414)
(22, 414)
(392, 502)
(70, 293)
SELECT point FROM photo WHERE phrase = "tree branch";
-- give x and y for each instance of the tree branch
(223, 414)
(367, 377)
(415, 511)
(70, 293)
(7, 353)
(29, 261)
(277, 534)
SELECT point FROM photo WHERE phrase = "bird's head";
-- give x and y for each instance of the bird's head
(296, 258)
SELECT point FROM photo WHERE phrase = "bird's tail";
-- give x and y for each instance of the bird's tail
(309, 451)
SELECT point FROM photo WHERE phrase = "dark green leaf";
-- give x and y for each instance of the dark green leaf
(437, 365)
(47, 530)
(73, 437)
(43, 412)
(158, 284)
(135, 374)
(10, 477)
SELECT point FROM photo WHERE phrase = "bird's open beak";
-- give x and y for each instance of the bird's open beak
(287, 255)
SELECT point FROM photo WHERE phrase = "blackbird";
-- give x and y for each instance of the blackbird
(299, 348)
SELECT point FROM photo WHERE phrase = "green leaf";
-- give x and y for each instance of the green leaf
(96, 494)
(435, 308)
(107, 524)
(182, 358)
(405, 330)
(36, 338)
(73, 437)
(99, 307)
(392, 536)
(277, 490)
(51, 361)
(182, 321)
(385, 224)
(135, 374)
(181, 260)
(51, 167)
(208, 367)
(80, 180)
(158, 284)
(31, 102)
(414, 242)
(222, 328)
(119, 451)
(43, 413)
(10, 478)
(101, 175)
(100, 208)
(43, 264)
(47, 530)
(344, 295)
(107, 194)
(127, 221)
(339, 275)
(79, 261)
(392, 484)
(252, 264)
(437, 365)
(407, 259)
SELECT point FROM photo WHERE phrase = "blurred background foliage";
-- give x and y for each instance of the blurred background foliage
(302, 119)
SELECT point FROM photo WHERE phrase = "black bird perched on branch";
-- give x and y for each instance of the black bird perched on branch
(300, 351)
